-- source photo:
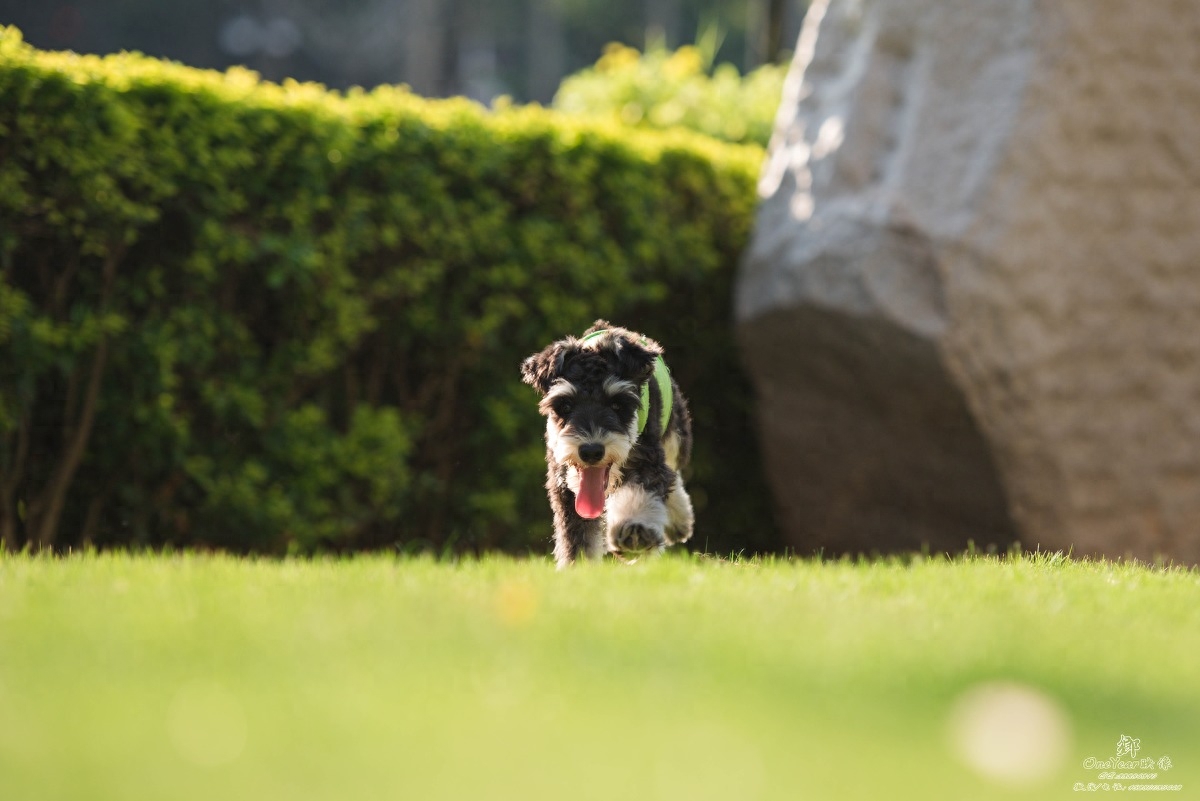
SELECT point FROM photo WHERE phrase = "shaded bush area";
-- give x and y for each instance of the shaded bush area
(272, 318)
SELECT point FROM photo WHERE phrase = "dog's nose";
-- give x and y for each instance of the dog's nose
(591, 452)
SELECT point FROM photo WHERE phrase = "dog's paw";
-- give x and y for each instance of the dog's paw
(674, 535)
(635, 538)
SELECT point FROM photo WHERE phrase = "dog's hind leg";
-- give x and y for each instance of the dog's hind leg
(680, 517)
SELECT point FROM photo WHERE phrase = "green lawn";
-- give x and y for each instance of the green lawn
(196, 677)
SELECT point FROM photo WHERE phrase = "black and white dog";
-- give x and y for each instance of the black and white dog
(618, 434)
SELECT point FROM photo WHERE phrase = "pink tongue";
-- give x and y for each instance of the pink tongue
(589, 501)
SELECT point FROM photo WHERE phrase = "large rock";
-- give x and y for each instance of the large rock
(972, 303)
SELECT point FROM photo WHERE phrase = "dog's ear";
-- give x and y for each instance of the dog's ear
(541, 369)
(636, 359)
(538, 370)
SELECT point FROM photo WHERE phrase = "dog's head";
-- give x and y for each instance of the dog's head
(591, 390)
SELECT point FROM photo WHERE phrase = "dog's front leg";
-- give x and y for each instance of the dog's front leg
(574, 536)
(637, 520)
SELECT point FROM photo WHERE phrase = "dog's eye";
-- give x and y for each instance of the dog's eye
(564, 408)
(622, 403)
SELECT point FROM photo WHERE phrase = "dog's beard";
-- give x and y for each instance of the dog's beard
(590, 483)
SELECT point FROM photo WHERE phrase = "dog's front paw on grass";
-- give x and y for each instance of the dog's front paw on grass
(632, 540)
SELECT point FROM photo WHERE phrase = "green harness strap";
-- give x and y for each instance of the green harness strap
(662, 375)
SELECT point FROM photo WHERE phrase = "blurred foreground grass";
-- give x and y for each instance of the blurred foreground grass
(199, 677)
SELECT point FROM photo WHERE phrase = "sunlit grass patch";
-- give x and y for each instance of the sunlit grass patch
(130, 677)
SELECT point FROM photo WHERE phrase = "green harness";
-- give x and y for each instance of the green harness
(662, 375)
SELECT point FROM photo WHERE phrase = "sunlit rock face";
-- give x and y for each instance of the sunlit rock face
(971, 306)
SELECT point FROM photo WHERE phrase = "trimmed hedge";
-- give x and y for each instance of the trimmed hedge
(271, 318)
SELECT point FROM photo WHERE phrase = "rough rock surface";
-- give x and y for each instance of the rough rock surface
(972, 303)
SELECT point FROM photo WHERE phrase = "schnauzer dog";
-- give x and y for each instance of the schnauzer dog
(618, 433)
